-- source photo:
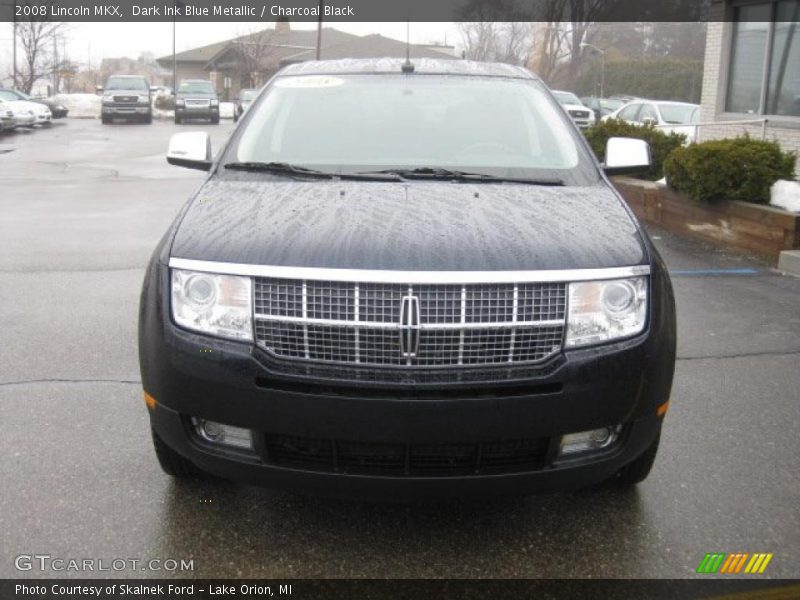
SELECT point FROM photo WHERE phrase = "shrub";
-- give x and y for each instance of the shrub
(733, 169)
(661, 143)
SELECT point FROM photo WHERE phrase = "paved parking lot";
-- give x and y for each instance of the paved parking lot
(82, 206)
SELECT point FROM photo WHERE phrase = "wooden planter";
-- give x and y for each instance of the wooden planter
(755, 228)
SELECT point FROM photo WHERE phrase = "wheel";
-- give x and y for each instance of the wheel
(178, 120)
(215, 120)
(235, 117)
(148, 119)
(173, 463)
(639, 469)
(105, 120)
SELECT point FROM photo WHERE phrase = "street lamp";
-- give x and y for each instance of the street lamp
(602, 54)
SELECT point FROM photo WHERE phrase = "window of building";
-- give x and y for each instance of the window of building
(764, 74)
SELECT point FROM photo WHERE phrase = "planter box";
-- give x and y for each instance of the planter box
(755, 228)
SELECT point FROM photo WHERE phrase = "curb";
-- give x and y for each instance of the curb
(789, 262)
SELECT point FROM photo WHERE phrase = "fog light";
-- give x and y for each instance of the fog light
(223, 435)
(585, 441)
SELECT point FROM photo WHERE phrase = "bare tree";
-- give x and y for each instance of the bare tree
(37, 39)
(508, 42)
(253, 51)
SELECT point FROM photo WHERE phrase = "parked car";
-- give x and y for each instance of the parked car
(126, 97)
(57, 110)
(669, 117)
(406, 294)
(601, 106)
(41, 114)
(196, 99)
(242, 101)
(582, 115)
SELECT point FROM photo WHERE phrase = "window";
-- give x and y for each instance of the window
(764, 73)
(353, 123)
(629, 112)
(648, 113)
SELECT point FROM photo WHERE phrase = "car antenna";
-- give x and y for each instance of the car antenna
(408, 66)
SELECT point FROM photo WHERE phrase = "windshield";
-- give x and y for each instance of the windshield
(677, 114)
(196, 87)
(10, 96)
(611, 105)
(127, 83)
(248, 94)
(566, 98)
(352, 123)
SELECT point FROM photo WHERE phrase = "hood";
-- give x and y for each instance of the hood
(25, 105)
(408, 226)
(576, 107)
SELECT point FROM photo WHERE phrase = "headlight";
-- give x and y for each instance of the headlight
(144, 99)
(180, 102)
(219, 305)
(108, 99)
(601, 311)
(215, 103)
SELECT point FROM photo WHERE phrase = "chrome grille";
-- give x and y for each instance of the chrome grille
(409, 324)
(580, 114)
(197, 102)
(126, 99)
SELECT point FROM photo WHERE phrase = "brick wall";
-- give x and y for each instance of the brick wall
(786, 133)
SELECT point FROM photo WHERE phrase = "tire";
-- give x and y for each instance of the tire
(105, 120)
(639, 469)
(215, 120)
(148, 119)
(235, 117)
(178, 120)
(174, 464)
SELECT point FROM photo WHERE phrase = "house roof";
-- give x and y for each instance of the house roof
(296, 37)
(372, 46)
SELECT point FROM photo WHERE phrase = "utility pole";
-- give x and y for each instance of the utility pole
(14, 44)
(602, 54)
(319, 29)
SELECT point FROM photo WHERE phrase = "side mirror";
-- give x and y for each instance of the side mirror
(626, 155)
(191, 150)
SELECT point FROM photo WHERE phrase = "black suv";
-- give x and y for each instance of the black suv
(126, 97)
(385, 289)
(196, 99)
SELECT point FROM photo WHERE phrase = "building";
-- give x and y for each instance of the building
(249, 61)
(752, 71)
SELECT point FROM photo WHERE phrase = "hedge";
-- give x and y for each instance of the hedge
(661, 143)
(731, 169)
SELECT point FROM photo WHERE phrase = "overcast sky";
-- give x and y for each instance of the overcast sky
(98, 40)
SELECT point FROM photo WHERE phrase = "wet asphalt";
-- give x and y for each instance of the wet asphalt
(82, 206)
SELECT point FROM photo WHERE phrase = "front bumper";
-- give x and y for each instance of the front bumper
(111, 110)
(25, 121)
(197, 112)
(192, 375)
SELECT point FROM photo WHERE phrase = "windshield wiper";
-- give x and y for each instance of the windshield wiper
(277, 167)
(290, 169)
(455, 175)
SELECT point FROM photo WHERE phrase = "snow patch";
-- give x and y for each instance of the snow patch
(786, 195)
(226, 110)
(81, 105)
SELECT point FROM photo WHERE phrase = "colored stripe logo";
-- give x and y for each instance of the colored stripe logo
(735, 563)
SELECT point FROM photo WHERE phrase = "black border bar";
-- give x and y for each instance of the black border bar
(400, 589)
